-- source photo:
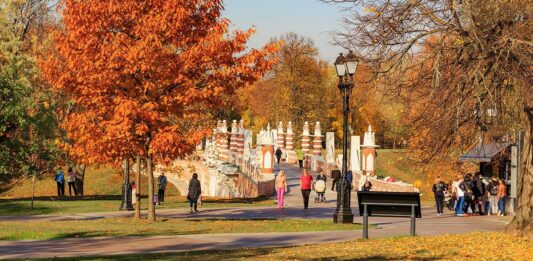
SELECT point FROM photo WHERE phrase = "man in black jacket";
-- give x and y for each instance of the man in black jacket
(161, 186)
(278, 154)
(479, 191)
(467, 186)
(335, 176)
(439, 188)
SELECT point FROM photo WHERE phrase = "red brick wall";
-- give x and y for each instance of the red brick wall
(266, 188)
(247, 188)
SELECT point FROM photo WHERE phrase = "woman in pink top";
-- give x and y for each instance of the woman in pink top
(71, 178)
(281, 187)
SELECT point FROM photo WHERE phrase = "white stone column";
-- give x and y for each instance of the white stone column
(330, 147)
(355, 154)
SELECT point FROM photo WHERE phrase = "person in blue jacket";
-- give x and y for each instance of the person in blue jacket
(60, 180)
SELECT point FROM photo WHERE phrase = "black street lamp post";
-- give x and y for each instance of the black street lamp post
(345, 66)
(126, 188)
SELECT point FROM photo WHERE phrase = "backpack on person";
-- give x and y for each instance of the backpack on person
(493, 188)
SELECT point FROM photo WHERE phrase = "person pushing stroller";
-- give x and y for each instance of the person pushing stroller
(320, 187)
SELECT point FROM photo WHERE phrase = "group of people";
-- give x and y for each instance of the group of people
(193, 194)
(60, 181)
(307, 183)
(299, 157)
(472, 195)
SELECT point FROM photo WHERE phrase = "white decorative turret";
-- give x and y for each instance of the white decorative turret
(306, 129)
(318, 131)
(369, 151)
(267, 137)
(317, 140)
(369, 139)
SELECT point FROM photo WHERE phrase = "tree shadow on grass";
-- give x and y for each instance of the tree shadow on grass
(230, 219)
(67, 198)
(14, 207)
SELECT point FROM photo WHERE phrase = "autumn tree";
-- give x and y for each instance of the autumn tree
(459, 60)
(28, 127)
(142, 72)
(293, 90)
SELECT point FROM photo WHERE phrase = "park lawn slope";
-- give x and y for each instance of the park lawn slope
(99, 181)
(43, 230)
(493, 246)
(102, 194)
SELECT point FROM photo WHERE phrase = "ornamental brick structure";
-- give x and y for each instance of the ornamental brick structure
(306, 138)
(280, 138)
(317, 140)
(240, 142)
(289, 138)
(267, 152)
(223, 139)
(233, 141)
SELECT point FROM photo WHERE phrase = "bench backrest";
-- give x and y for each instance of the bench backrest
(389, 204)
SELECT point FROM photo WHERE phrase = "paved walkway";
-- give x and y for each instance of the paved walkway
(429, 224)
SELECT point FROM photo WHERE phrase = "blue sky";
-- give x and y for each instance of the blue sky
(310, 18)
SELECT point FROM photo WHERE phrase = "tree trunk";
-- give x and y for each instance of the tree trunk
(522, 223)
(138, 190)
(32, 190)
(80, 176)
(151, 206)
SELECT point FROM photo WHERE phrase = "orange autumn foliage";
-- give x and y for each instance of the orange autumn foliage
(142, 74)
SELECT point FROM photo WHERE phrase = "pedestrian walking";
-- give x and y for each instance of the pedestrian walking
(349, 179)
(195, 190)
(493, 196)
(300, 157)
(281, 188)
(305, 186)
(439, 189)
(460, 196)
(60, 181)
(133, 193)
(335, 176)
(161, 186)
(479, 192)
(502, 194)
(278, 154)
(71, 177)
(468, 194)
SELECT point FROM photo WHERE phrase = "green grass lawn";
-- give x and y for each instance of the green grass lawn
(496, 246)
(91, 204)
(17, 230)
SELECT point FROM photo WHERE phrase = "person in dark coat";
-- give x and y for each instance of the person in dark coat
(439, 189)
(349, 179)
(335, 176)
(479, 191)
(195, 190)
(278, 154)
(161, 186)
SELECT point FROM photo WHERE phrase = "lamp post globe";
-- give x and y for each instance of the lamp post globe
(346, 67)
(340, 66)
(351, 61)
